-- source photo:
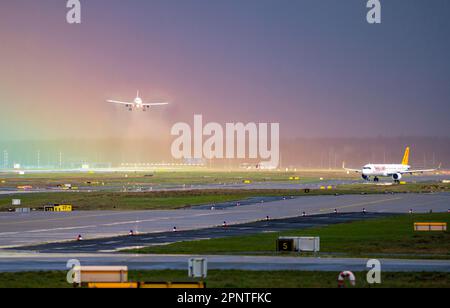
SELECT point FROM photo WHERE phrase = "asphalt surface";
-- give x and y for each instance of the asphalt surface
(39, 227)
(123, 242)
(13, 262)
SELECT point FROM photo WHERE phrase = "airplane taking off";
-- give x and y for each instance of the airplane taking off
(137, 104)
(396, 171)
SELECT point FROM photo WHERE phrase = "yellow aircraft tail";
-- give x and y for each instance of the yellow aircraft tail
(406, 157)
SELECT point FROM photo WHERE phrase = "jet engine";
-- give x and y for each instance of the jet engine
(397, 177)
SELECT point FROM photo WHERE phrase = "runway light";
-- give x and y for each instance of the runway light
(175, 229)
(335, 211)
(131, 233)
(225, 224)
(79, 238)
(411, 211)
(347, 275)
(364, 211)
(304, 214)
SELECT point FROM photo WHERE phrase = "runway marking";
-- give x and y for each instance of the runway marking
(112, 224)
(166, 218)
(362, 204)
(110, 214)
(48, 230)
(61, 229)
(66, 218)
(190, 216)
(112, 242)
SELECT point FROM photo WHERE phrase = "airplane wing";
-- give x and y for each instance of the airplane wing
(119, 102)
(155, 104)
(351, 170)
(422, 171)
(419, 171)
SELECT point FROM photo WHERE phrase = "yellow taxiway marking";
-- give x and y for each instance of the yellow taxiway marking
(368, 203)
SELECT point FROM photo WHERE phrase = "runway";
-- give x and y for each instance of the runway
(7, 191)
(39, 227)
(12, 262)
(126, 242)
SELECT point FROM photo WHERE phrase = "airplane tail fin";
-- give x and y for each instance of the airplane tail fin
(406, 157)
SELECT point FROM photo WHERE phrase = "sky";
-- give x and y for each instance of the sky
(316, 67)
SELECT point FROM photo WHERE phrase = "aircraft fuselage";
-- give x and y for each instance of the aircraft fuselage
(384, 169)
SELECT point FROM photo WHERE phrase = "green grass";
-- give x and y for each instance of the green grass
(167, 200)
(240, 279)
(124, 201)
(181, 199)
(166, 177)
(389, 237)
(156, 178)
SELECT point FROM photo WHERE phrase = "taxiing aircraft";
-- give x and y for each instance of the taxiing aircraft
(137, 104)
(396, 171)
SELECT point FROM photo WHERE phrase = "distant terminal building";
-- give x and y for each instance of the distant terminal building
(267, 166)
(187, 163)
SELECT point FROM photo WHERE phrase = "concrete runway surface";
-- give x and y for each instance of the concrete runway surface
(13, 262)
(39, 227)
(123, 242)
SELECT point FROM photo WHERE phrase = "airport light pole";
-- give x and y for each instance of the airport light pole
(5, 159)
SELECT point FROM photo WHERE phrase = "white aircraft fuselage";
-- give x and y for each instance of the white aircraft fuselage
(396, 171)
(138, 103)
(384, 169)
